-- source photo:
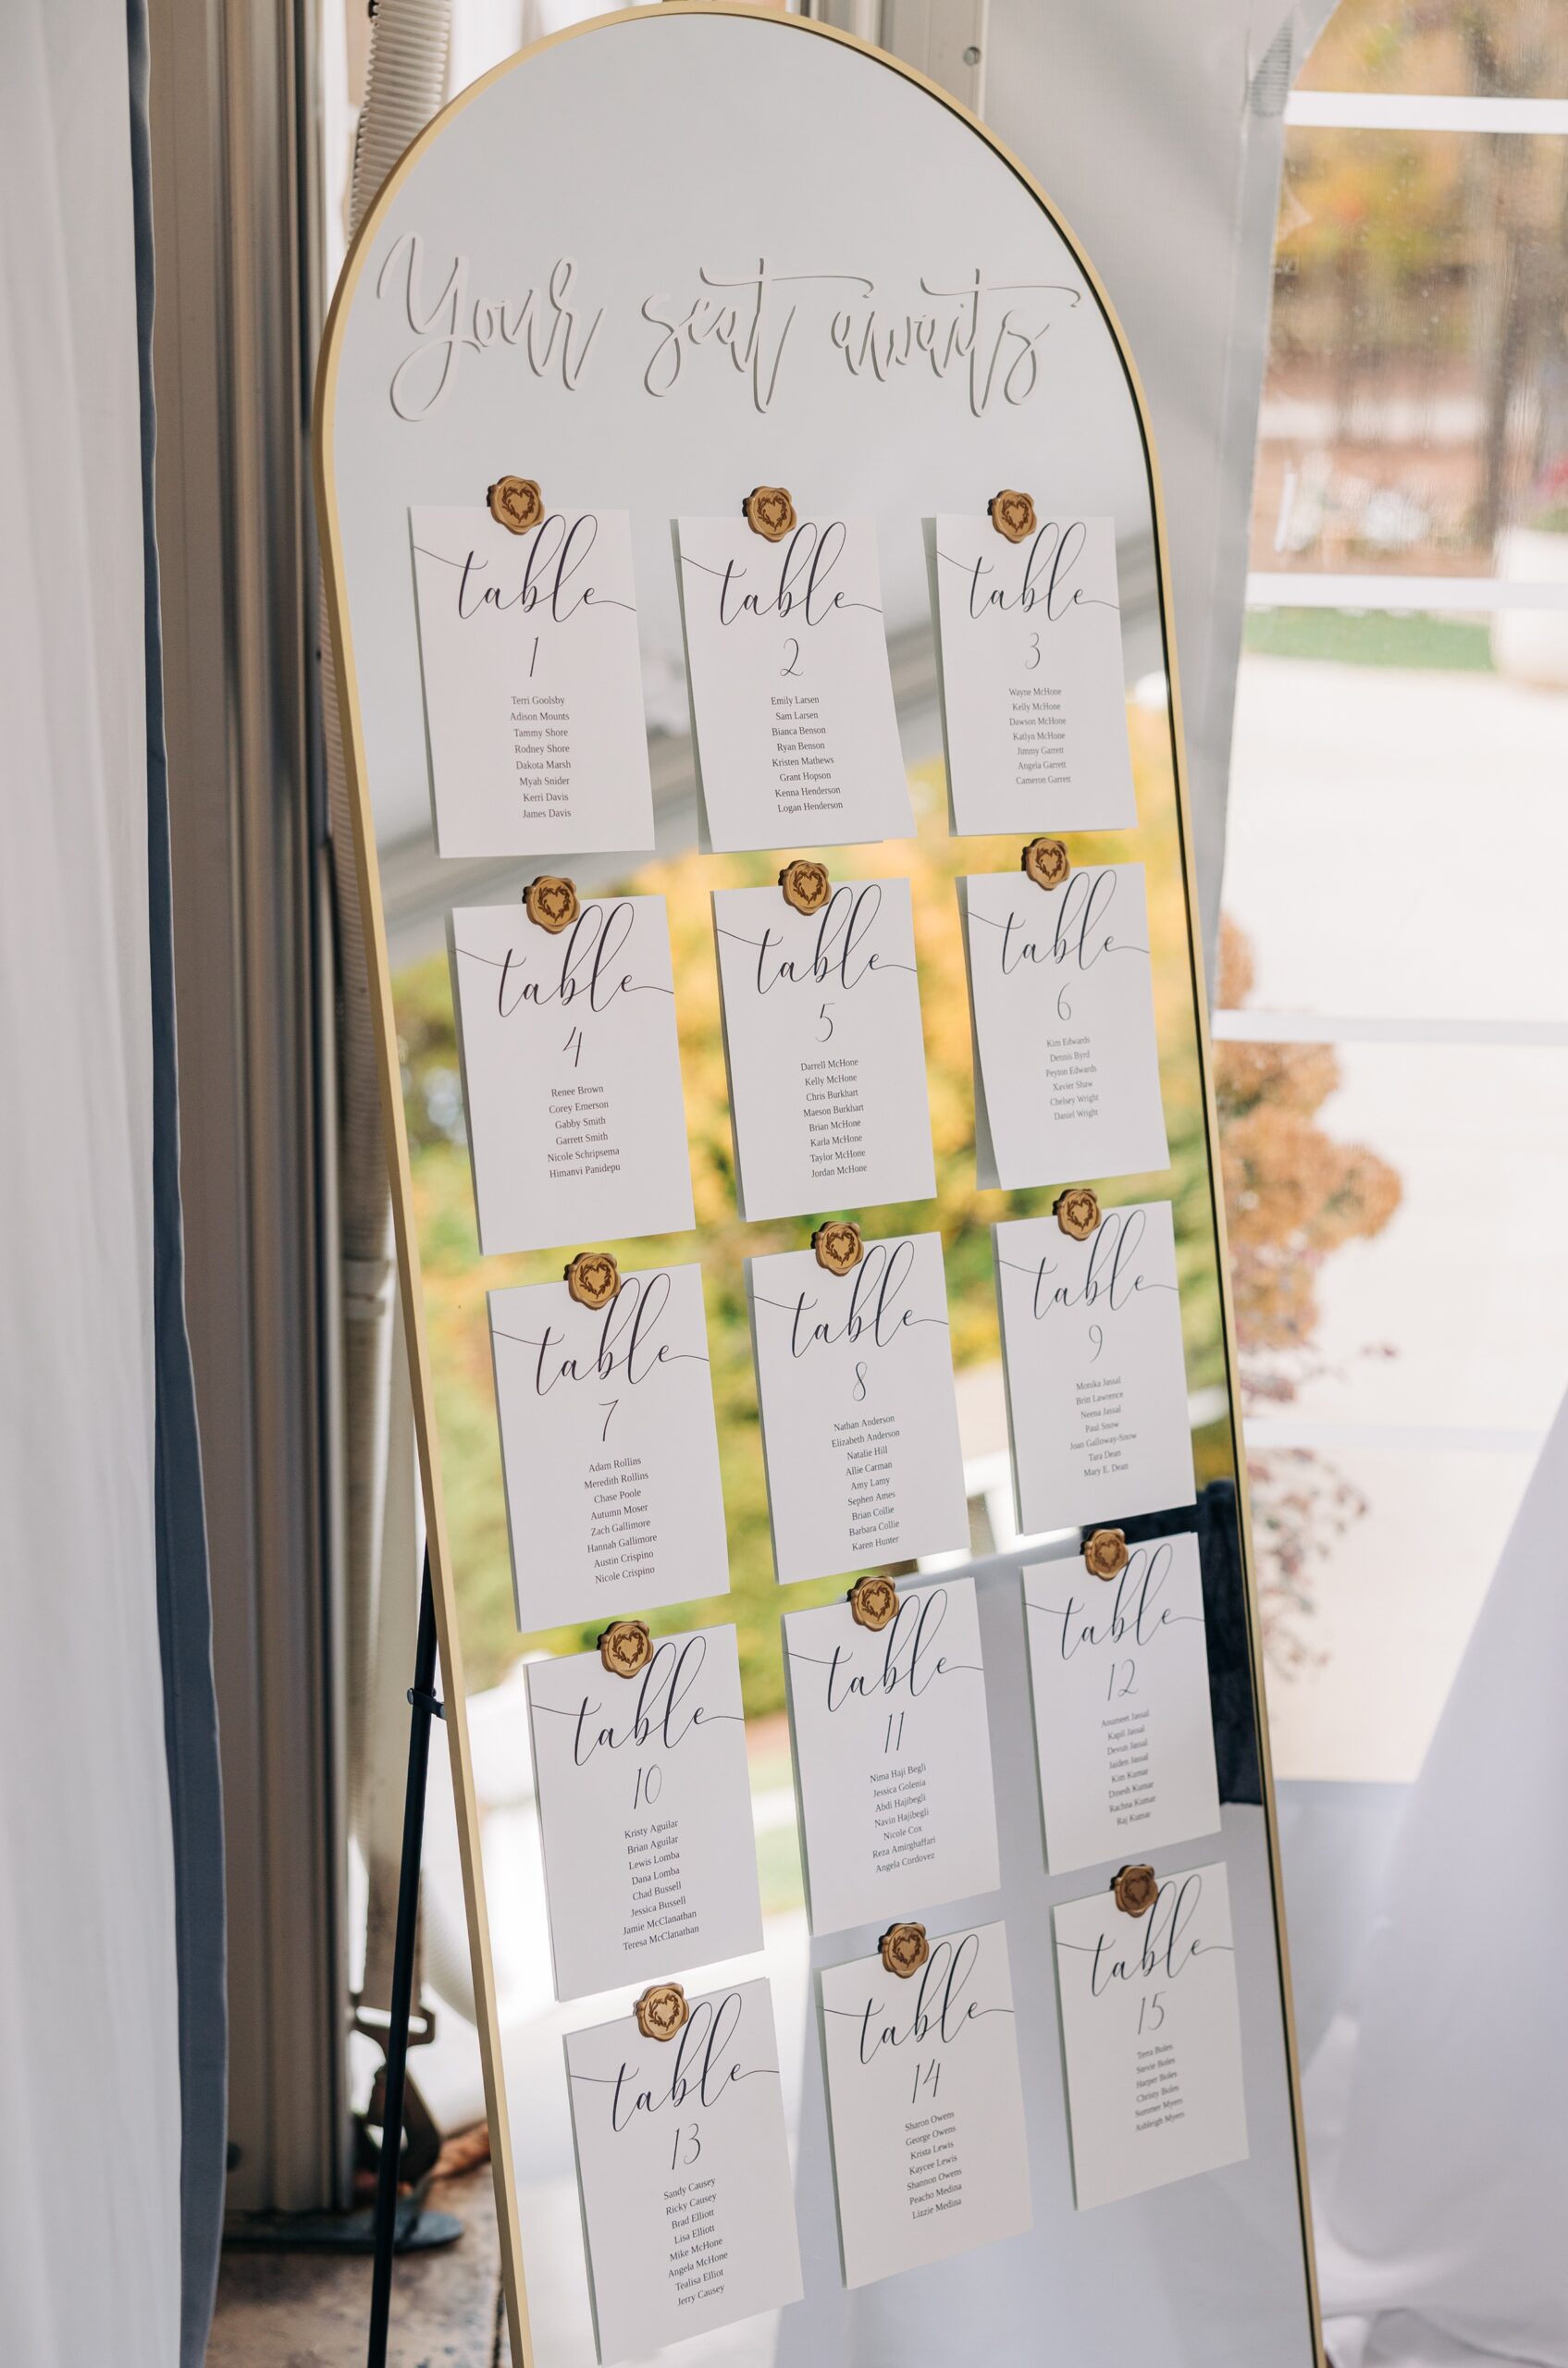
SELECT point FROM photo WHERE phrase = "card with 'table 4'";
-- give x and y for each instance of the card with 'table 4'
(571, 1074)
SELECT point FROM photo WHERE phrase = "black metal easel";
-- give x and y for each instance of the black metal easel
(425, 1705)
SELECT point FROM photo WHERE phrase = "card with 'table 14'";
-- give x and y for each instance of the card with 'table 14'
(930, 2153)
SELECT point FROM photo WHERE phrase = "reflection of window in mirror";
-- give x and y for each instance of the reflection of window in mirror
(1405, 672)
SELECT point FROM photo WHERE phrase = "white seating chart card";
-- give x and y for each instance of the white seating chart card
(683, 2168)
(533, 682)
(1033, 700)
(609, 1447)
(1067, 1061)
(571, 1074)
(892, 1755)
(791, 700)
(928, 2150)
(1152, 2035)
(1122, 1725)
(1096, 1372)
(859, 1420)
(645, 1811)
(825, 1050)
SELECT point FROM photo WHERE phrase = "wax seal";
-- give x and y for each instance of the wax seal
(625, 1648)
(1076, 1212)
(806, 886)
(661, 2010)
(552, 903)
(769, 512)
(1135, 1890)
(1046, 862)
(1012, 514)
(593, 1278)
(873, 1601)
(516, 503)
(905, 1949)
(838, 1245)
(1105, 1554)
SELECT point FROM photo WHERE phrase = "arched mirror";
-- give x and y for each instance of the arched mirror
(646, 270)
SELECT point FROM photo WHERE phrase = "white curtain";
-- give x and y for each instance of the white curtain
(1440, 2146)
(90, 2255)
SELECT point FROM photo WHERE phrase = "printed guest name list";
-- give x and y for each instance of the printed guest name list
(533, 682)
(792, 699)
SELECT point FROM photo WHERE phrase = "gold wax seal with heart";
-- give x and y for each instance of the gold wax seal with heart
(593, 1278)
(1076, 1212)
(769, 512)
(552, 903)
(1135, 1890)
(873, 1601)
(625, 1648)
(1105, 1556)
(663, 2010)
(1012, 514)
(904, 1949)
(516, 503)
(838, 1245)
(1046, 862)
(806, 884)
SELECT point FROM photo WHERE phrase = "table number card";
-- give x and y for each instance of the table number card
(892, 1756)
(571, 1074)
(1123, 1726)
(1096, 1372)
(683, 2168)
(860, 1420)
(645, 1811)
(791, 700)
(825, 1050)
(1034, 703)
(1067, 1066)
(609, 1447)
(533, 682)
(928, 2150)
(1152, 2034)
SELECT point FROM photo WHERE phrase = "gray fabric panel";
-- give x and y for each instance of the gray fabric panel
(184, 1603)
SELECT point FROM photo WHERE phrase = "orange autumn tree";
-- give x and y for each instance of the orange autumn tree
(1293, 1195)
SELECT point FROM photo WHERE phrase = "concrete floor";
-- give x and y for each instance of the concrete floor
(281, 2310)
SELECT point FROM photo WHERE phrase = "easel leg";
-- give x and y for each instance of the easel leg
(422, 1697)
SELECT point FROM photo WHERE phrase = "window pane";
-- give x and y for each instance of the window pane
(1515, 49)
(1366, 1639)
(1414, 415)
(1421, 790)
(1397, 1248)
